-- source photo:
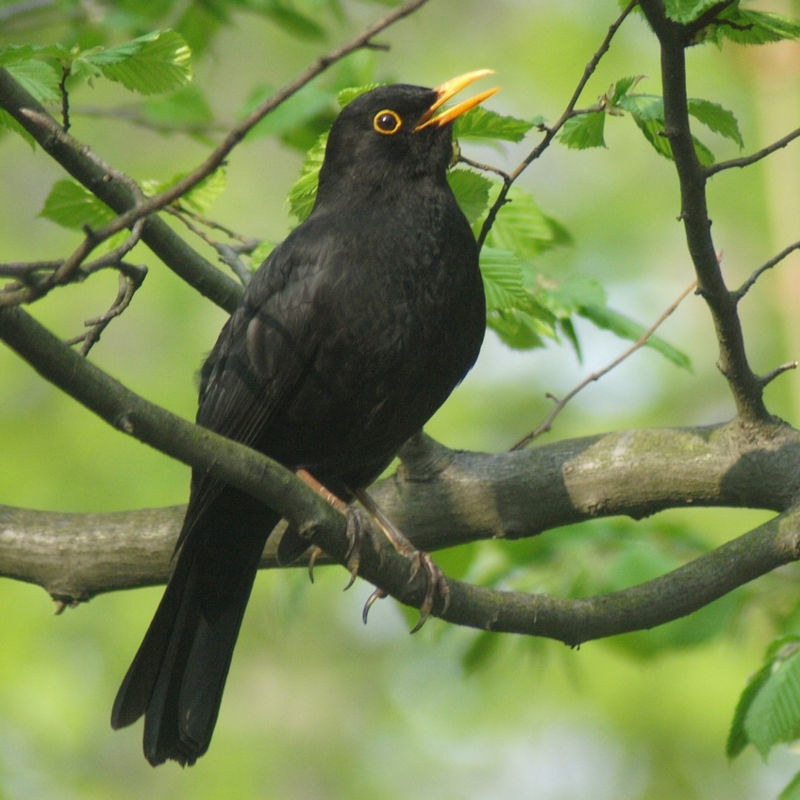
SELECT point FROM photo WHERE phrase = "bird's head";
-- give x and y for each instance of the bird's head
(395, 132)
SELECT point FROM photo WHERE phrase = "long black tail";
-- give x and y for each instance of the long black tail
(178, 674)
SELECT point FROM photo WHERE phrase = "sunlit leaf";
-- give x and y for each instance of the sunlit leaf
(773, 715)
(583, 131)
(153, 63)
(471, 191)
(716, 118)
(483, 123)
(626, 328)
(72, 206)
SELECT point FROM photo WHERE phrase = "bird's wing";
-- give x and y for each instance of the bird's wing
(262, 354)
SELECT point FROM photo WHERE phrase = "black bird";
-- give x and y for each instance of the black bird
(350, 335)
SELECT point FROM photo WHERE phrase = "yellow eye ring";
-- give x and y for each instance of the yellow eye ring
(387, 122)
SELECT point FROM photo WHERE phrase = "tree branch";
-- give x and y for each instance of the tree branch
(570, 481)
(745, 386)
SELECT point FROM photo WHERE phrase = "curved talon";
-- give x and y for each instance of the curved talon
(378, 594)
(355, 537)
(315, 553)
(436, 584)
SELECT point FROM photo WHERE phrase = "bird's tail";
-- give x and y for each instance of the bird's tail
(178, 674)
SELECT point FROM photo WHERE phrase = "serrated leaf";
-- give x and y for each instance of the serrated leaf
(482, 123)
(39, 78)
(16, 53)
(584, 130)
(626, 328)
(621, 88)
(716, 118)
(737, 736)
(523, 228)
(684, 11)
(303, 193)
(512, 311)
(502, 281)
(72, 206)
(471, 191)
(648, 114)
(774, 713)
(567, 297)
(153, 63)
(745, 26)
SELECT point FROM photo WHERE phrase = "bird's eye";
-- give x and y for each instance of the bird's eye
(387, 121)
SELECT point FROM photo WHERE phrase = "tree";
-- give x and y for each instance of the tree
(440, 496)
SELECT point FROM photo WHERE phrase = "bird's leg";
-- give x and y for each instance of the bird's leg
(355, 527)
(437, 583)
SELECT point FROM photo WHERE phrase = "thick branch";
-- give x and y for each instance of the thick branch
(529, 491)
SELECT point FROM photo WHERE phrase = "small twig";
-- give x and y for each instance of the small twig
(551, 131)
(779, 370)
(62, 88)
(746, 161)
(228, 254)
(748, 284)
(594, 376)
(484, 167)
(131, 277)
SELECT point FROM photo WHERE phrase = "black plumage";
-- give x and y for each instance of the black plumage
(350, 335)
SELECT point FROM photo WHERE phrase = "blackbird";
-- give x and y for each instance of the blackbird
(349, 336)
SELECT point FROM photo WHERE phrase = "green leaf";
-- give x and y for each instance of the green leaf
(716, 118)
(620, 89)
(584, 130)
(153, 63)
(8, 123)
(774, 713)
(624, 327)
(737, 736)
(471, 191)
(502, 281)
(303, 193)
(349, 94)
(72, 206)
(39, 78)
(648, 114)
(481, 123)
(745, 26)
(513, 312)
(687, 10)
(17, 53)
(523, 228)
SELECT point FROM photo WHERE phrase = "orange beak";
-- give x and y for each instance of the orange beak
(449, 88)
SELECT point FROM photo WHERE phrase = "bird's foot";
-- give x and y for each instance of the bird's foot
(436, 582)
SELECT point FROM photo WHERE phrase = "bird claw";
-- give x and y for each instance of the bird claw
(355, 540)
(436, 584)
(378, 594)
(313, 555)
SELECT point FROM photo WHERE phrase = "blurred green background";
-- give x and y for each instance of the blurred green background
(317, 705)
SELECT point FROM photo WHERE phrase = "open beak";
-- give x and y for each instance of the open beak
(446, 91)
